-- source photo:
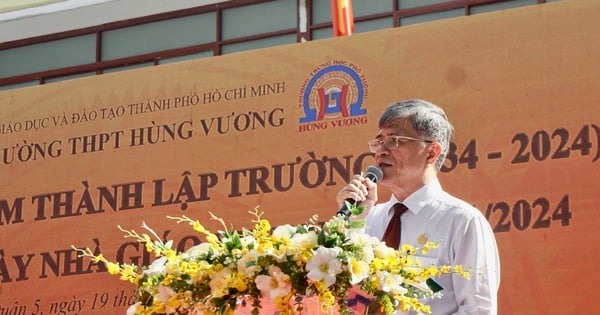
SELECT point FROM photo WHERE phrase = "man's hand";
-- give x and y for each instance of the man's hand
(360, 189)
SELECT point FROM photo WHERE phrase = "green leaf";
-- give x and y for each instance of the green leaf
(356, 210)
(322, 238)
(357, 224)
(236, 241)
(301, 229)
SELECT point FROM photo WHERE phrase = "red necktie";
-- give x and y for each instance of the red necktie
(391, 237)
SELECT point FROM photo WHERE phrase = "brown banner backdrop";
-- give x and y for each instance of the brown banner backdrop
(284, 128)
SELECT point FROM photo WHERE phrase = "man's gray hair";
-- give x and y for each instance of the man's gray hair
(428, 120)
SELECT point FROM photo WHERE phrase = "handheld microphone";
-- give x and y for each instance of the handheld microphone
(375, 174)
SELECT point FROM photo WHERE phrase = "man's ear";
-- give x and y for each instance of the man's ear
(435, 150)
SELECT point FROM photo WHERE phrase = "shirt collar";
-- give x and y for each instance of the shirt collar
(422, 196)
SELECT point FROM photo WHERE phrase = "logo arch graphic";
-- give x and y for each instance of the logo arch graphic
(333, 92)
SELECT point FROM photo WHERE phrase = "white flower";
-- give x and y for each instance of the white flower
(157, 267)
(285, 231)
(324, 265)
(131, 310)
(383, 251)
(219, 282)
(391, 283)
(197, 250)
(279, 255)
(302, 241)
(365, 243)
(247, 266)
(359, 270)
(164, 293)
(276, 285)
(248, 241)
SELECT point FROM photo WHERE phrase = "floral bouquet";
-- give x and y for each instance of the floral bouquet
(283, 265)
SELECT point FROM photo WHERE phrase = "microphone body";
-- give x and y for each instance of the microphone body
(375, 174)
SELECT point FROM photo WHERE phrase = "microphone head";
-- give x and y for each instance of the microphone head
(374, 173)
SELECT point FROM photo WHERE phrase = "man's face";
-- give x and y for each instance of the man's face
(403, 161)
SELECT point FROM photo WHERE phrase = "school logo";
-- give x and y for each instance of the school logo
(333, 96)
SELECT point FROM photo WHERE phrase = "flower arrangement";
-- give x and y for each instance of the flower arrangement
(282, 265)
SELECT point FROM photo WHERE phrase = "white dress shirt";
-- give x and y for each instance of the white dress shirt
(466, 239)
